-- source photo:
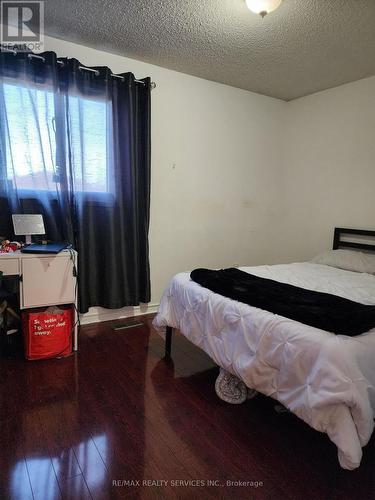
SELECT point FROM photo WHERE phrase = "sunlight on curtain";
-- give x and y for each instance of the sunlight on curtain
(30, 138)
(90, 134)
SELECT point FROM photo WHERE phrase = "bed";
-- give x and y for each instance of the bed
(327, 380)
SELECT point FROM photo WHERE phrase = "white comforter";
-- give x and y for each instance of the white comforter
(327, 380)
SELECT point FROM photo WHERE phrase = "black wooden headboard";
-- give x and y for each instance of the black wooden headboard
(358, 234)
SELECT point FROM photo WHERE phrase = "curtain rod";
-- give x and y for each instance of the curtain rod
(83, 68)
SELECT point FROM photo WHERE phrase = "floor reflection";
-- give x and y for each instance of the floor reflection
(87, 454)
(43, 471)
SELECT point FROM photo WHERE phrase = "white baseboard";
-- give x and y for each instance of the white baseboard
(97, 314)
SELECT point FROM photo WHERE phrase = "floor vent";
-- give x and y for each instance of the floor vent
(128, 324)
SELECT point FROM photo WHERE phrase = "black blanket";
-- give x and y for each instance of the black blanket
(321, 310)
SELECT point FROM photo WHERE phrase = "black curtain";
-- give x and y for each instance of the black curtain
(75, 146)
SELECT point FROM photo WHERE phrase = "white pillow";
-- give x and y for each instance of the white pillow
(347, 259)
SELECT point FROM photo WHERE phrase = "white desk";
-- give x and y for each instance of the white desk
(45, 280)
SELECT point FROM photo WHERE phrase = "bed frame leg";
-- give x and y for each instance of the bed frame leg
(168, 342)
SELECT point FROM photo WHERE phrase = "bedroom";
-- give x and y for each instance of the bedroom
(261, 145)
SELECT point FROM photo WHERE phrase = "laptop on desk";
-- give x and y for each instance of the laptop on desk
(48, 248)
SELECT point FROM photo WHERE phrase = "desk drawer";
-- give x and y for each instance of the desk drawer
(47, 281)
(9, 266)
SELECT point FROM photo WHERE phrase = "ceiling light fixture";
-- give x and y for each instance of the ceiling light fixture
(263, 7)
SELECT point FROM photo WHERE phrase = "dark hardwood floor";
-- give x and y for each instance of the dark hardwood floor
(92, 425)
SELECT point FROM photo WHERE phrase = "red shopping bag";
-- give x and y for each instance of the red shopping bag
(47, 332)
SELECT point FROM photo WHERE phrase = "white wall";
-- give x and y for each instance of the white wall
(329, 167)
(216, 169)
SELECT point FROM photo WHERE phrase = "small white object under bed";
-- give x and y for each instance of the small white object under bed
(327, 380)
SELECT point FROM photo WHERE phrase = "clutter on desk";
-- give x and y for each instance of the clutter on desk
(10, 246)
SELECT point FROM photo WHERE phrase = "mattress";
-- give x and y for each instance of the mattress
(327, 380)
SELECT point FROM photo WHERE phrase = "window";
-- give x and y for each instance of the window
(89, 132)
(30, 138)
(32, 146)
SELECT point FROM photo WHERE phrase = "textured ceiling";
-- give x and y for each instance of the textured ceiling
(303, 47)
